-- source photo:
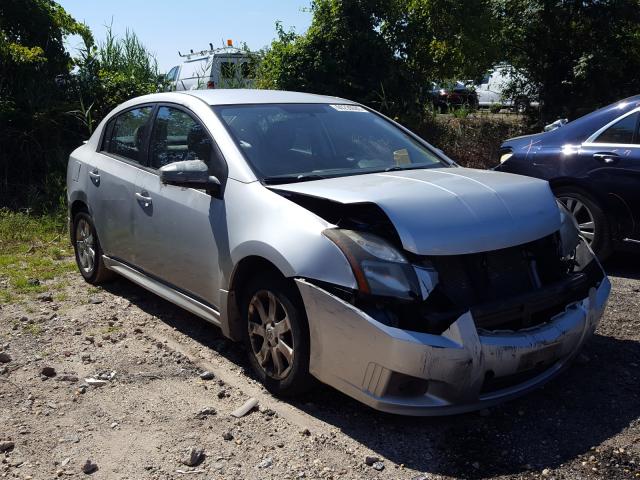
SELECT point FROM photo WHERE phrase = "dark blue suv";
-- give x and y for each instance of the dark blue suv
(593, 166)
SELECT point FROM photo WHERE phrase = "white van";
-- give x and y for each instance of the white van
(215, 68)
(492, 89)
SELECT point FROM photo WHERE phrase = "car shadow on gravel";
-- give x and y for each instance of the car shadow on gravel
(592, 401)
(624, 264)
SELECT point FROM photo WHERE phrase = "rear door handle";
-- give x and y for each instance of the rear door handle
(606, 157)
(143, 198)
(94, 176)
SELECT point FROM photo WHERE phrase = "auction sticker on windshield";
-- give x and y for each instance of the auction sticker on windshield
(348, 108)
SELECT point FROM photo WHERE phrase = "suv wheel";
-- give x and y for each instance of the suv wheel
(88, 251)
(590, 218)
(277, 334)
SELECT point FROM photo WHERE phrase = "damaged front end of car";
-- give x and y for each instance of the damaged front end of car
(445, 334)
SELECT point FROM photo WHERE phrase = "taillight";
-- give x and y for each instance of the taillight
(211, 84)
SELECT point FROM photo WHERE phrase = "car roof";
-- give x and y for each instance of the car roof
(238, 96)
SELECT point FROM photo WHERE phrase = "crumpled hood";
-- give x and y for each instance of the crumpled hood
(449, 211)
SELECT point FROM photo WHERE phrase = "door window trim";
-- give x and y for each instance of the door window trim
(145, 144)
(192, 114)
(590, 142)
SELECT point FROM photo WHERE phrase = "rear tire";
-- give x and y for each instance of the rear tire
(88, 251)
(277, 334)
(590, 217)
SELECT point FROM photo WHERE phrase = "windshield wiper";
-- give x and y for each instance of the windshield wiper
(301, 177)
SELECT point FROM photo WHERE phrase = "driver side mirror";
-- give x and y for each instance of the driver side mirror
(191, 174)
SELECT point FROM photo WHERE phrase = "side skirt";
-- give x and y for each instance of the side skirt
(162, 290)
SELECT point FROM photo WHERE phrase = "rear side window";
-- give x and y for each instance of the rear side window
(126, 137)
(624, 131)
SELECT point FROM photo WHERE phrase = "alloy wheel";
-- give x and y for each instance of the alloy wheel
(583, 217)
(85, 246)
(270, 334)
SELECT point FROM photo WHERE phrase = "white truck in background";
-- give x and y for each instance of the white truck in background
(493, 89)
(227, 67)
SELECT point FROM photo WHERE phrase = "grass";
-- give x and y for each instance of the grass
(33, 249)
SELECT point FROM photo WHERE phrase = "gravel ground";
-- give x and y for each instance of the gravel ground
(154, 417)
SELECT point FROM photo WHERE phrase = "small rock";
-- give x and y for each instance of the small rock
(306, 432)
(6, 446)
(370, 460)
(65, 462)
(266, 463)
(222, 394)
(379, 466)
(48, 372)
(66, 377)
(228, 436)
(475, 465)
(45, 297)
(95, 300)
(194, 457)
(207, 375)
(546, 472)
(34, 282)
(89, 467)
(206, 411)
(5, 357)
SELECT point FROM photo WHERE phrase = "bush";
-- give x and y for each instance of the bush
(472, 141)
(495, 107)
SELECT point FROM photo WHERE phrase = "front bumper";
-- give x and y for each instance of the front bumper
(461, 370)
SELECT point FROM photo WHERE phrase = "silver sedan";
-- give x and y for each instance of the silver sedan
(336, 244)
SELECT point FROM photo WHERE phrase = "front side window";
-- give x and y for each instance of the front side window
(173, 73)
(622, 132)
(288, 141)
(177, 136)
(126, 138)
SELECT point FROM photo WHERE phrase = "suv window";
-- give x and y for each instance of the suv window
(623, 131)
(177, 136)
(126, 138)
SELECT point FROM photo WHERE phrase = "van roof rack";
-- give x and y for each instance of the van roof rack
(211, 51)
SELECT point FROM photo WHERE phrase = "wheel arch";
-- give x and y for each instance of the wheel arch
(619, 215)
(231, 318)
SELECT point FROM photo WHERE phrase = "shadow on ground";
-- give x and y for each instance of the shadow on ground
(624, 264)
(591, 402)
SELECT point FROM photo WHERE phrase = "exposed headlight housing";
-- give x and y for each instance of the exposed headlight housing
(379, 268)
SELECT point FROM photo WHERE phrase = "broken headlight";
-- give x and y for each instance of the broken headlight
(379, 268)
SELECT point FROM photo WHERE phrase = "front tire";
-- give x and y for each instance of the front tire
(88, 251)
(590, 217)
(277, 334)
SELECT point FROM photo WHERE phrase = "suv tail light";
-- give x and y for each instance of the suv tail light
(211, 84)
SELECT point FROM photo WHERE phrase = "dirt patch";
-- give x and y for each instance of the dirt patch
(126, 393)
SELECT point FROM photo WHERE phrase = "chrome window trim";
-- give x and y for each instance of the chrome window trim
(590, 141)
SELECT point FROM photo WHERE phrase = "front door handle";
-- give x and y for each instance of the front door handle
(606, 157)
(94, 176)
(143, 198)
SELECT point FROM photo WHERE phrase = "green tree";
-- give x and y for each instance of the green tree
(581, 54)
(343, 53)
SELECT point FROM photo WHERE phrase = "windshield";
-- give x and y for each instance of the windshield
(291, 142)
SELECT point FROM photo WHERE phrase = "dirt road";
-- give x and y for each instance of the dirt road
(148, 406)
